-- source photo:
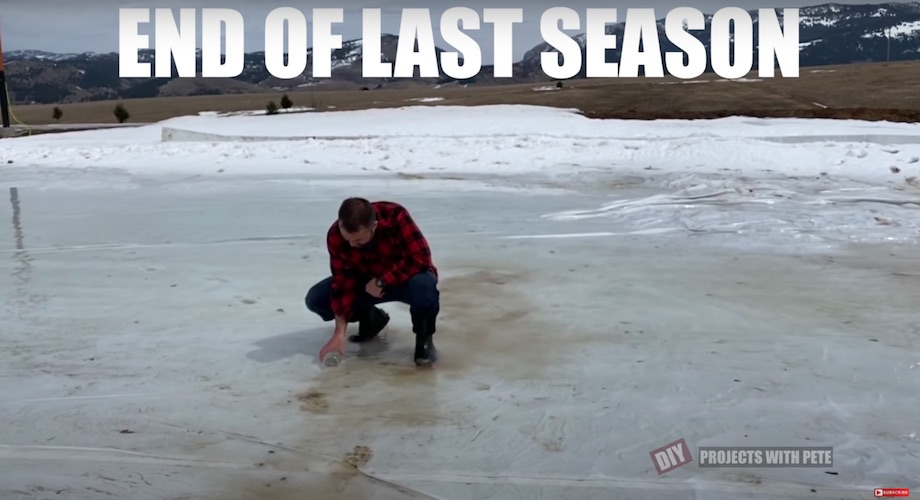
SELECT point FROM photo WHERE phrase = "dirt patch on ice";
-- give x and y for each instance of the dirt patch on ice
(491, 326)
(388, 391)
(292, 475)
(488, 327)
(347, 484)
(299, 473)
(314, 401)
(359, 457)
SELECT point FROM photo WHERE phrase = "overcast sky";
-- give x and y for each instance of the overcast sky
(92, 25)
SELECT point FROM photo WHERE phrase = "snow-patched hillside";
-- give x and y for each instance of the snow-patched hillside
(828, 34)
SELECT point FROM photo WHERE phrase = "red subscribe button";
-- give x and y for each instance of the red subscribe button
(892, 492)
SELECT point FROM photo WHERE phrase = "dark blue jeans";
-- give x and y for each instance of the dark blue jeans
(420, 293)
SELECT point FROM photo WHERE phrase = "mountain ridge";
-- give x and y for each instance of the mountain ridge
(829, 34)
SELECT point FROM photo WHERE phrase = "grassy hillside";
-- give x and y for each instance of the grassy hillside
(868, 91)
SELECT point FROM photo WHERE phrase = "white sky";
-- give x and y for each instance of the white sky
(74, 26)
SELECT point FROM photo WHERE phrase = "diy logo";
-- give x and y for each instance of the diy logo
(671, 456)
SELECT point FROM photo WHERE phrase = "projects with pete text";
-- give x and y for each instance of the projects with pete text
(768, 456)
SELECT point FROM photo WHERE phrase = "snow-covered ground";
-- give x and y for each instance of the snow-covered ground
(609, 287)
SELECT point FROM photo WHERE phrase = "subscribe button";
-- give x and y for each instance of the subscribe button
(892, 492)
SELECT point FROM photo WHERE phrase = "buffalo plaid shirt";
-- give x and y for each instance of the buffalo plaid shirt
(397, 252)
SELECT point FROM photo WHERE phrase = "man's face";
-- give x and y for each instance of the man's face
(359, 238)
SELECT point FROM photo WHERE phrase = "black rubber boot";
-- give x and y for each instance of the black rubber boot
(371, 322)
(424, 329)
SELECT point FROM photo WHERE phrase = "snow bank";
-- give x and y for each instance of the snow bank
(486, 140)
(480, 121)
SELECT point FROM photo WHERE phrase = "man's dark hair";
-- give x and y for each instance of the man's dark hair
(356, 213)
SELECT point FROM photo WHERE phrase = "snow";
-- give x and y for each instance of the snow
(734, 80)
(608, 287)
(257, 112)
(809, 21)
(907, 28)
(685, 82)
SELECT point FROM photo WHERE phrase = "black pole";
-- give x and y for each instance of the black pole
(4, 100)
(4, 95)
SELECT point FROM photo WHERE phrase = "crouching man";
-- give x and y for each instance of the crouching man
(377, 254)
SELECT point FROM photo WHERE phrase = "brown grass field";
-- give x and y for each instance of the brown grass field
(872, 91)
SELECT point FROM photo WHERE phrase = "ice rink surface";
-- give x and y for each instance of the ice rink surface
(608, 288)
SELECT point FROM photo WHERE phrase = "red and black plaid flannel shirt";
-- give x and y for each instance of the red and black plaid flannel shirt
(397, 252)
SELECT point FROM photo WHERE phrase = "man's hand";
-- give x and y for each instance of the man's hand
(373, 290)
(335, 344)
